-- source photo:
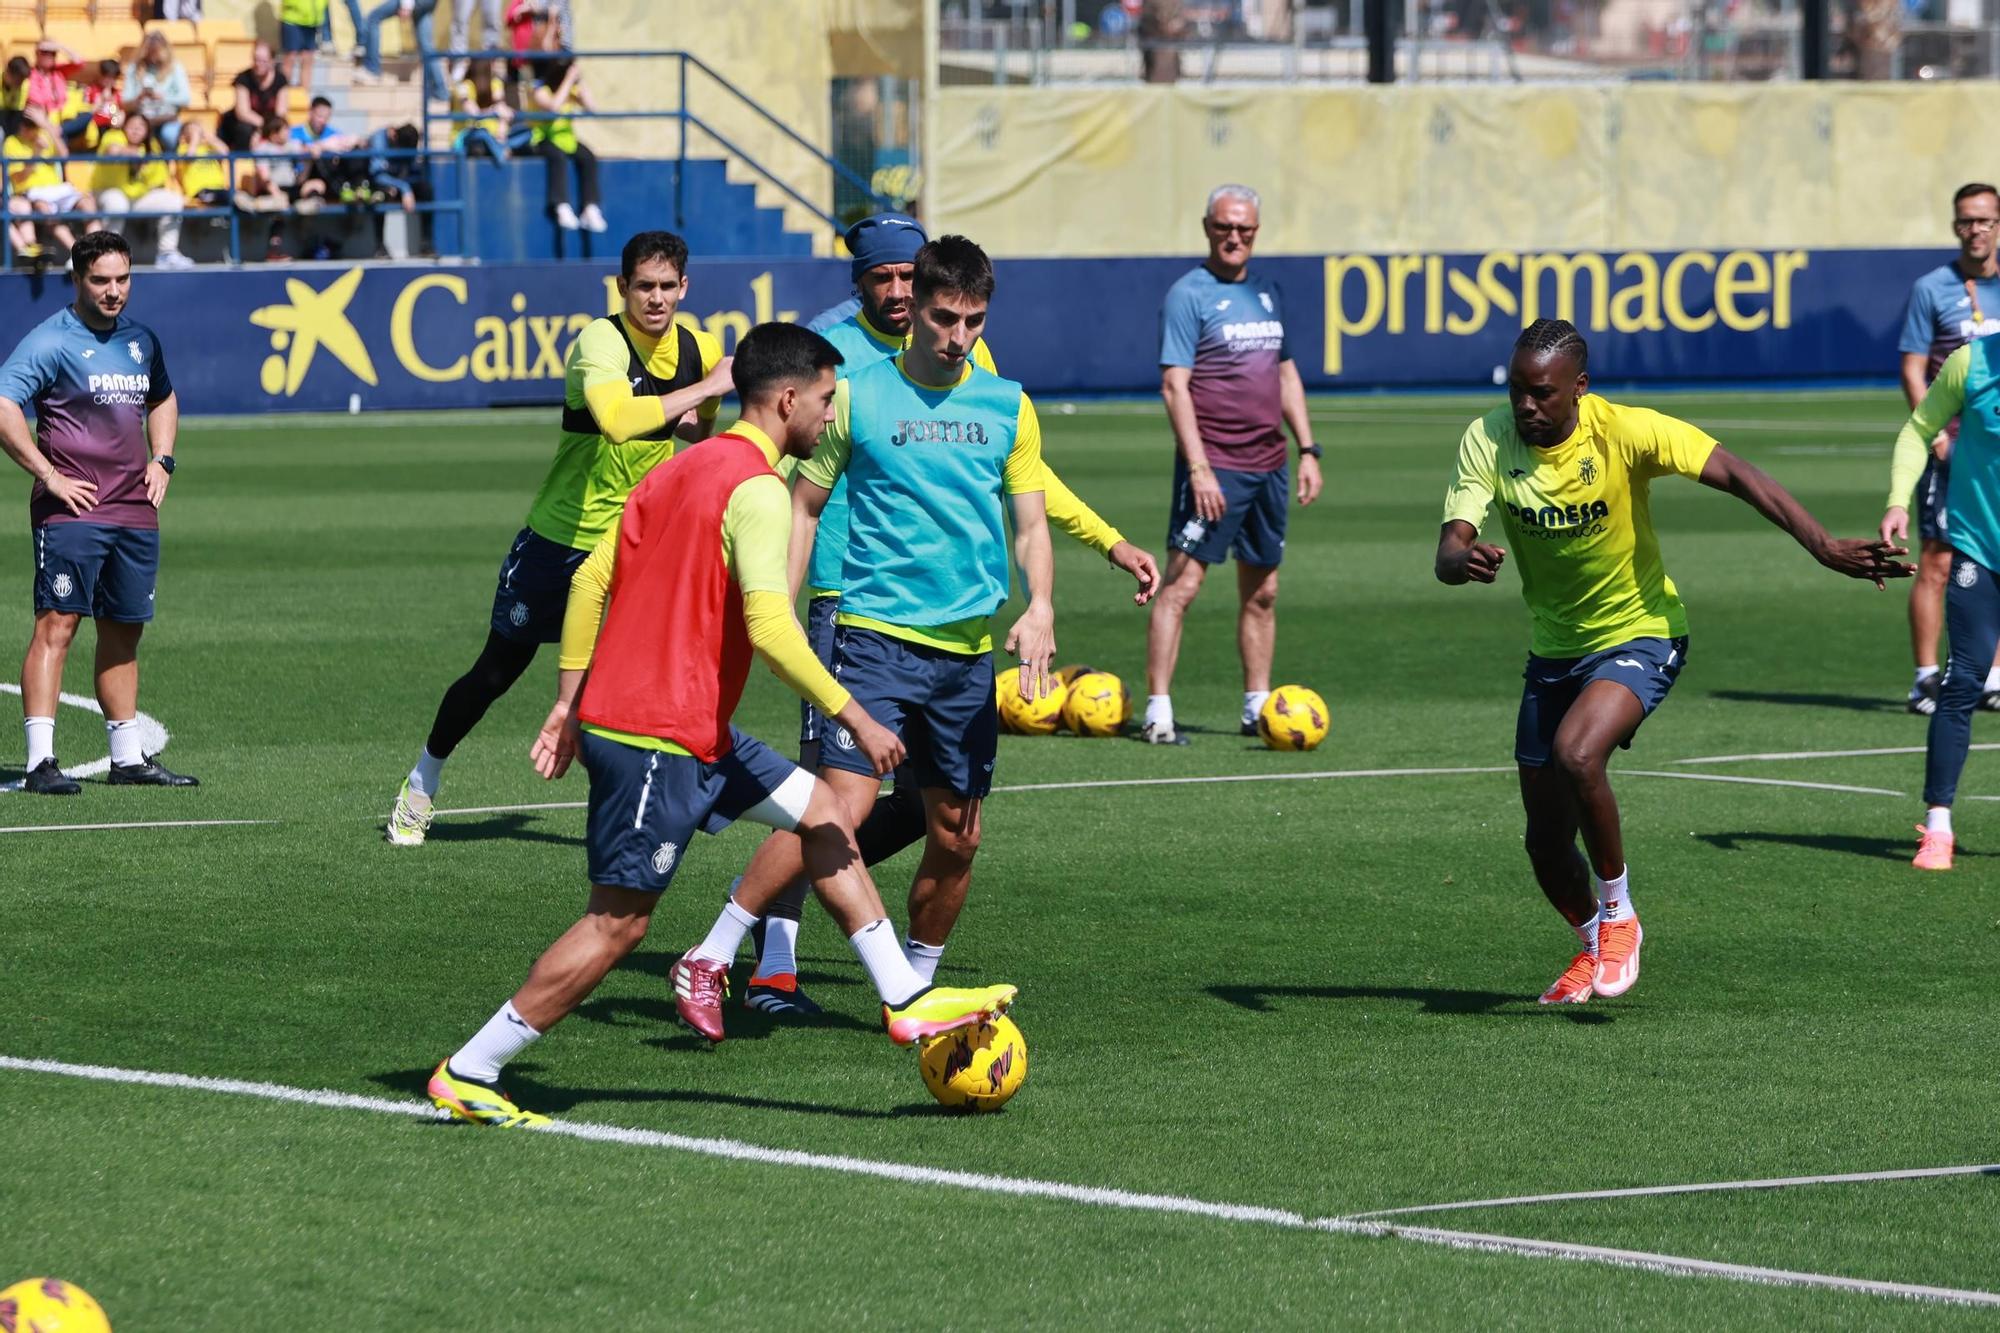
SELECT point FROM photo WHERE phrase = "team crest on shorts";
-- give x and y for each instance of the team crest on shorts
(843, 737)
(518, 613)
(1967, 575)
(663, 858)
(62, 585)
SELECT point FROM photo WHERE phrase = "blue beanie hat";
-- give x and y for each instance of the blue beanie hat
(886, 238)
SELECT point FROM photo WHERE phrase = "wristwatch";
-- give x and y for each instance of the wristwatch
(1312, 451)
(166, 462)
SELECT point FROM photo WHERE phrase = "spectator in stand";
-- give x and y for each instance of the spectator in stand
(535, 26)
(393, 175)
(14, 93)
(298, 34)
(33, 158)
(562, 91)
(260, 95)
(95, 105)
(156, 86)
(142, 185)
(484, 94)
(419, 15)
(492, 35)
(204, 168)
(48, 83)
(169, 10)
(323, 147)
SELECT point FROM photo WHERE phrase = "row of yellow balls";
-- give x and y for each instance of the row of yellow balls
(1090, 702)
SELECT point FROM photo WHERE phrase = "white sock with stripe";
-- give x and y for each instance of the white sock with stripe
(895, 980)
(1587, 932)
(923, 958)
(41, 733)
(1614, 897)
(725, 937)
(425, 776)
(780, 956)
(505, 1036)
(124, 738)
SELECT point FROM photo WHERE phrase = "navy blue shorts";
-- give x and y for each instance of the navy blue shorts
(1931, 487)
(297, 37)
(645, 805)
(940, 703)
(1252, 527)
(97, 570)
(820, 612)
(1647, 667)
(534, 588)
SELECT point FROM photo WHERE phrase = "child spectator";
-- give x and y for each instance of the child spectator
(562, 90)
(14, 93)
(298, 34)
(33, 159)
(95, 105)
(204, 172)
(483, 94)
(143, 184)
(156, 86)
(260, 95)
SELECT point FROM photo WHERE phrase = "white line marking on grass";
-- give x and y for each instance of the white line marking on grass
(1776, 755)
(153, 737)
(1675, 1265)
(1016, 1187)
(144, 823)
(1255, 777)
(1754, 782)
(1704, 1187)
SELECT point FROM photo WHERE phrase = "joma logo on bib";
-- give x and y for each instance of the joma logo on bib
(938, 432)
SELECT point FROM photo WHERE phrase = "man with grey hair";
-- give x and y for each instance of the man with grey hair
(1230, 387)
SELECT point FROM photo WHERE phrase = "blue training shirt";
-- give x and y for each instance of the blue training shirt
(90, 391)
(1231, 336)
(1943, 316)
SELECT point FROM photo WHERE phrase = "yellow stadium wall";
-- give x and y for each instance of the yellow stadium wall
(1098, 172)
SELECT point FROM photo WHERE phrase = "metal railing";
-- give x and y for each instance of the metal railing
(234, 214)
(688, 64)
(1240, 41)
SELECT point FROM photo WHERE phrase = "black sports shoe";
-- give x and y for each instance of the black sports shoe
(1250, 729)
(147, 773)
(779, 994)
(46, 779)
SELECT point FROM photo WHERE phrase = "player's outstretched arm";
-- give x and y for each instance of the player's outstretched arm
(808, 500)
(1067, 510)
(1856, 557)
(1463, 558)
(1929, 415)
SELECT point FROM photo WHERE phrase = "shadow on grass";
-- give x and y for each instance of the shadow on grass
(1433, 999)
(498, 828)
(1852, 703)
(1847, 844)
(549, 1099)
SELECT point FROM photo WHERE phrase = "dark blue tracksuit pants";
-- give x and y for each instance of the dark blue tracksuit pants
(1972, 620)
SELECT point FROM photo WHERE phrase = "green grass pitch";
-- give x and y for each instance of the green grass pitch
(1315, 996)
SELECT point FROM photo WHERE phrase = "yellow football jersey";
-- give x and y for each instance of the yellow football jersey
(1579, 520)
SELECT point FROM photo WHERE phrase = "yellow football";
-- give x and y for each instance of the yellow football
(51, 1305)
(1097, 705)
(1293, 718)
(1028, 717)
(976, 1068)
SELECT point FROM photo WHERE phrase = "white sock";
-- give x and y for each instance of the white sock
(781, 937)
(1614, 897)
(124, 737)
(1159, 710)
(895, 980)
(725, 937)
(41, 739)
(923, 958)
(1925, 673)
(505, 1036)
(1253, 703)
(1937, 819)
(1587, 932)
(424, 777)
(1993, 678)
